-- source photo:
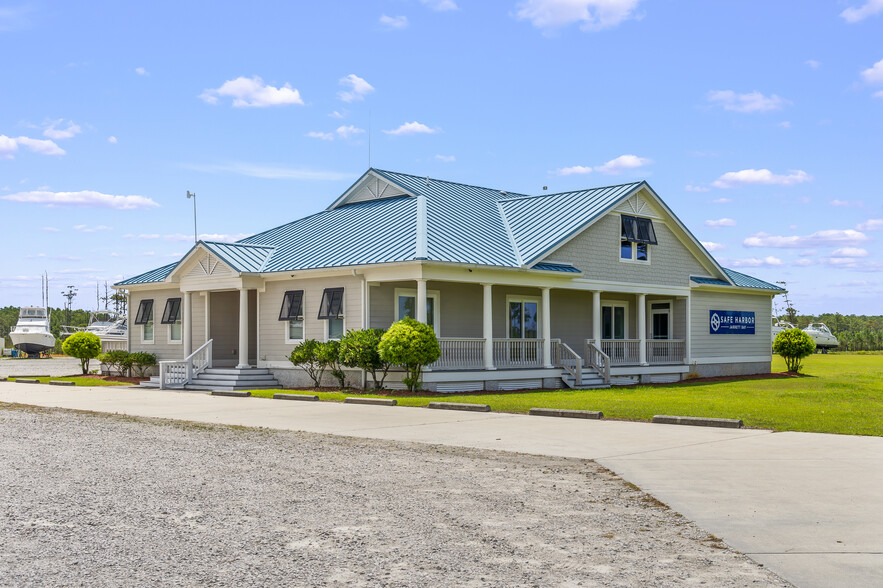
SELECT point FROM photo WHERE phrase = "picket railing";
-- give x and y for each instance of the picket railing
(177, 373)
(665, 351)
(518, 353)
(622, 351)
(459, 354)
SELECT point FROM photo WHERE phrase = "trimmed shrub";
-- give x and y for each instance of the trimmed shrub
(329, 352)
(793, 345)
(84, 346)
(359, 348)
(117, 360)
(142, 362)
(306, 356)
(411, 345)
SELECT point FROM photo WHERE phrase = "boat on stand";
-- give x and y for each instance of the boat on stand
(31, 334)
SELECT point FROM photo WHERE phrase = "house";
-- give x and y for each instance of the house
(582, 288)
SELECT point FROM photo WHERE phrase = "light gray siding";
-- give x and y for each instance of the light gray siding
(705, 344)
(273, 344)
(596, 253)
(161, 346)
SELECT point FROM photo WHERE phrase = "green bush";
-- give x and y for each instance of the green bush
(359, 348)
(793, 345)
(329, 352)
(142, 362)
(306, 356)
(117, 360)
(412, 345)
(84, 346)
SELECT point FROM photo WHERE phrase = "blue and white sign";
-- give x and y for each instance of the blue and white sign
(730, 322)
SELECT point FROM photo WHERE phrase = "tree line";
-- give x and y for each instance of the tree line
(855, 332)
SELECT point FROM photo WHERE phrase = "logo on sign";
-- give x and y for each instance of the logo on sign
(715, 322)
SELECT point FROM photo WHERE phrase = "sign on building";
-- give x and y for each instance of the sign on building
(730, 322)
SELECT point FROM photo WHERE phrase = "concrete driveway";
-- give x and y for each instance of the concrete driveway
(808, 506)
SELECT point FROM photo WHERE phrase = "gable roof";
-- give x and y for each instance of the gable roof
(388, 216)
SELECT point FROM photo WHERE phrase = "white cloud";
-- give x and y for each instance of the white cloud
(850, 252)
(722, 200)
(803, 262)
(869, 8)
(53, 132)
(269, 171)
(253, 93)
(874, 75)
(878, 94)
(768, 261)
(51, 229)
(764, 177)
(574, 170)
(88, 229)
(394, 22)
(411, 128)
(784, 124)
(345, 132)
(358, 88)
(712, 246)
(83, 198)
(10, 145)
(337, 114)
(141, 71)
(440, 5)
(321, 135)
(748, 103)
(847, 203)
(812, 63)
(446, 158)
(828, 238)
(622, 163)
(112, 139)
(721, 222)
(593, 15)
(872, 224)
(692, 188)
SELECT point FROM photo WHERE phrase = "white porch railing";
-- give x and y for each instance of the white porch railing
(598, 360)
(114, 345)
(622, 351)
(571, 361)
(176, 374)
(665, 351)
(518, 353)
(459, 354)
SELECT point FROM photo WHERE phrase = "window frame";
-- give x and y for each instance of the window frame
(630, 233)
(290, 296)
(668, 311)
(412, 293)
(173, 305)
(146, 321)
(624, 304)
(326, 313)
(139, 316)
(520, 298)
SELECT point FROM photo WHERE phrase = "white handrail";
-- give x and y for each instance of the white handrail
(179, 373)
(572, 362)
(598, 360)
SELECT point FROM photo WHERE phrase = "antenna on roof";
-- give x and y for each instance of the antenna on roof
(369, 137)
(545, 188)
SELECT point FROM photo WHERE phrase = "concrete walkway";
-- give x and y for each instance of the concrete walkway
(808, 506)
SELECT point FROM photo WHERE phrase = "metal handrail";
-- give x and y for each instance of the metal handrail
(598, 360)
(179, 373)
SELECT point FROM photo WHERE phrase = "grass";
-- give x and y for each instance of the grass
(77, 380)
(835, 393)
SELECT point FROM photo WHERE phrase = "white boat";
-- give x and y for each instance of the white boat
(31, 334)
(107, 324)
(779, 326)
(822, 336)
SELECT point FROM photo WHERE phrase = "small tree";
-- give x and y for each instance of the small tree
(116, 360)
(412, 345)
(142, 362)
(84, 346)
(306, 356)
(359, 348)
(793, 345)
(329, 352)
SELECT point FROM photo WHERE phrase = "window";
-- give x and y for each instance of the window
(613, 321)
(331, 309)
(292, 311)
(637, 235)
(660, 317)
(406, 306)
(144, 317)
(172, 316)
(524, 318)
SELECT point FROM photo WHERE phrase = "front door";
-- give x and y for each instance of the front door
(660, 315)
(523, 324)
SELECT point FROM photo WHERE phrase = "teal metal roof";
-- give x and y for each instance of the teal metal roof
(155, 275)
(463, 224)
(711, 281)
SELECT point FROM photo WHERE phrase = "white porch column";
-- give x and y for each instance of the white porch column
(208, 314)
(596, 317)
(642, 328)
(187, 324)
(421, 301)
(687, 335)
(547, 328)
(243, 329)
(488, 327)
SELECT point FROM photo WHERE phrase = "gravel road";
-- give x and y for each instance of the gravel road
(56, 367)
(102, 500)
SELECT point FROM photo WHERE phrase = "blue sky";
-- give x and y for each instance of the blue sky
(759, 123)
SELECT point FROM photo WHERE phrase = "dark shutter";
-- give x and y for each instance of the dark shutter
(145, 312)
(638, 230)
(332, 303)
(292, 306)
(171, 312)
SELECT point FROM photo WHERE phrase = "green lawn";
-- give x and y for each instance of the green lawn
(834, 394)
(79, 381)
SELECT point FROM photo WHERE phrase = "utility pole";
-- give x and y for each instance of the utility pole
(70, 294)
(193, 195)
(106, 297)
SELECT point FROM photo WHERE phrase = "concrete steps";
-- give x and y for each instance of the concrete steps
(227, 379)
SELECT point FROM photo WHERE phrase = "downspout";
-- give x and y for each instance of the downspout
(364, 315)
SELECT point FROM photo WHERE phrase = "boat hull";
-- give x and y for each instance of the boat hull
(32, 343)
